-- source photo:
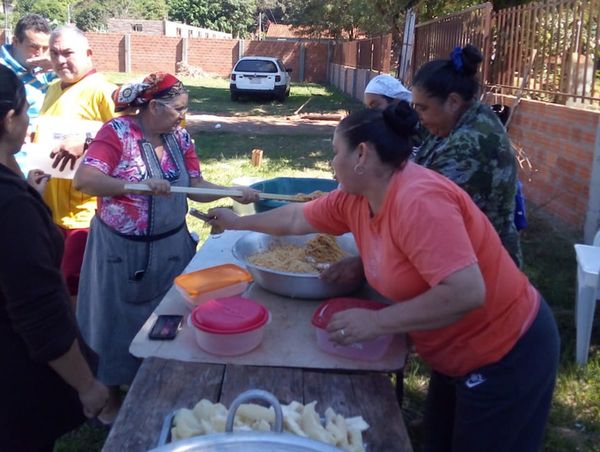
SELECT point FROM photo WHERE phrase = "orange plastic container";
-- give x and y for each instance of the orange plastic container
(221, 281)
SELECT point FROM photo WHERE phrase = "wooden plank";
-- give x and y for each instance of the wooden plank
(284, 382)
(214, 192)
(188, 190)
(160, 386)
(369, 395)
(377, 397)
(330, 389)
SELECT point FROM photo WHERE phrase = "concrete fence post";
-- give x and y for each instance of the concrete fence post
(185, 43)
(592, 217)
(128, 53)
(301, 62)
(241, 50)
(328, 73)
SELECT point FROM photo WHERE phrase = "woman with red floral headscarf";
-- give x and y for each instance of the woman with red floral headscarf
(138, 242)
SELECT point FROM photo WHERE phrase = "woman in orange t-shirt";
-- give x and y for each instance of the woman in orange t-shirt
(474, 317)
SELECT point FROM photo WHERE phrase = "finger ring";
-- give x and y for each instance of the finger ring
(342, 332)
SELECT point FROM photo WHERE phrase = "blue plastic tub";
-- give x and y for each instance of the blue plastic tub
(289, 186)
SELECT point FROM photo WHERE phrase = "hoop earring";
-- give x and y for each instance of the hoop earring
(359, 170)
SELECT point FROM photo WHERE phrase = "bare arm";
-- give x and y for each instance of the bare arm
(442, 305)
(74, 370)
(286, 220)
(94, 182)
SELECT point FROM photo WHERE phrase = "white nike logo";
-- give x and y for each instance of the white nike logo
(474, 380)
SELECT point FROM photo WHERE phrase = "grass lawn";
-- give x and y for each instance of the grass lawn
(211, 96)
(549, 262)
(225, 156)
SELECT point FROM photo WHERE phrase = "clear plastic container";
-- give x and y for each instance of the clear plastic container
(371, 350)
(214, 282)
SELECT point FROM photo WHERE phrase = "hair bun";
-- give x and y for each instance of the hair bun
(402, 118)
(471, 57)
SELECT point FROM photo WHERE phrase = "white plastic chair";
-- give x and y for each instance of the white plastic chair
(588, 291)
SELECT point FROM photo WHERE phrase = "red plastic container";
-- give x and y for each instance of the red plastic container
(371, 350)
(229, 326)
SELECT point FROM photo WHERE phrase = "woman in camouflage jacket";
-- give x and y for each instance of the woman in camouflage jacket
(465, 141)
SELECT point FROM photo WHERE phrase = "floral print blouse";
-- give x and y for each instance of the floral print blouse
(116, 152)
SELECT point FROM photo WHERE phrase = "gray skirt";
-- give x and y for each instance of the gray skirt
(122, 281)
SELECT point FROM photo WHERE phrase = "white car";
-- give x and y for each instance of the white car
(259, 75)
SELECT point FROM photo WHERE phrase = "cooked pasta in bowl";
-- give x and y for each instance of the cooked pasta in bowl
(290, 265)
(315, 255)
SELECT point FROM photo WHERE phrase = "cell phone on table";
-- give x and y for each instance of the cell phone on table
(166, 327)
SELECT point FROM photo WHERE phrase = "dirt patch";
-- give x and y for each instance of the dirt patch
(267, 125)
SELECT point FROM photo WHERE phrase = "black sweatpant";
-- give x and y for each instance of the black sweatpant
(501, 407)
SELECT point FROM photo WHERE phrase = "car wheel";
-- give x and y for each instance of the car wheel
(234, 96)
(281, 97)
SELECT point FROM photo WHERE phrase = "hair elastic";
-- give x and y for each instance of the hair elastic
(456, 58)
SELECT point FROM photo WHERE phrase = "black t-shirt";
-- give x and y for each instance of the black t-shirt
(37, 324)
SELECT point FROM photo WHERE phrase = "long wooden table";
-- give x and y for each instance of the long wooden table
(164, 385)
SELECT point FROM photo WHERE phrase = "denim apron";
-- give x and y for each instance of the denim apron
(123, 278)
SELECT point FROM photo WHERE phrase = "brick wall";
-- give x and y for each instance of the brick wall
(315, 62)
(155, 53)
(561, 145)
(108, 51)
(288, 52)
(216, 56)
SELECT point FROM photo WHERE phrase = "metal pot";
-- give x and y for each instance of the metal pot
(275, 441)
(295, 285)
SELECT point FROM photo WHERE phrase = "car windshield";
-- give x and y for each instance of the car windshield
(256, 66)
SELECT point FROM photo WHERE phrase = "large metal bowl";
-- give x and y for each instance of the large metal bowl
(295, 285)
(274, 441)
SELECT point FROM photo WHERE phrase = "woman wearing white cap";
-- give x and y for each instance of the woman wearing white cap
(381, 91)
(384, 90)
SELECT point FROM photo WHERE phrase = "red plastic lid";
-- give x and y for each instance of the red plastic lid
(229, 315)
(325, 311)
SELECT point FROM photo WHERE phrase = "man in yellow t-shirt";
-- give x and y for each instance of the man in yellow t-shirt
(80, 94)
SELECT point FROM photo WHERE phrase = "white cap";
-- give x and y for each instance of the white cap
(386, 85)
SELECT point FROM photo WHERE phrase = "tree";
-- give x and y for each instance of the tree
(53, 10)
(90, 17)
(134, 9)
(342, 19)
(432, 9)
(337, 19)
(275, 10)
(231, 16)
(94, 14)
